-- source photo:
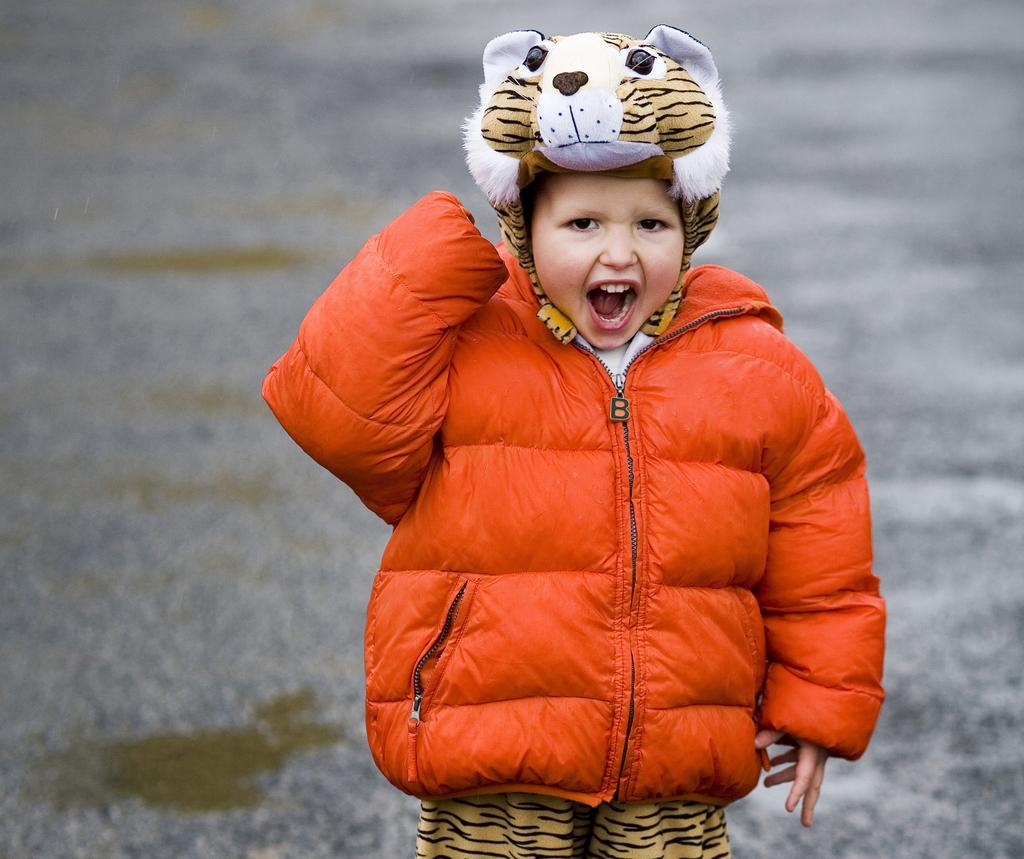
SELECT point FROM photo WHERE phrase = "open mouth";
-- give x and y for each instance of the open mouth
(611, 304)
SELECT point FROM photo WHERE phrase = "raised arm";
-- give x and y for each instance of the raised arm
(824, 618)
(363, 388)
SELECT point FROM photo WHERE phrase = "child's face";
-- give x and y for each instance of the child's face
(591, 230)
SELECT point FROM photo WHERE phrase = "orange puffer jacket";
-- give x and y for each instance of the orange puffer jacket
(569, 603)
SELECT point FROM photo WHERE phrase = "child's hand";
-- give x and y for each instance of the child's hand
(807, 772)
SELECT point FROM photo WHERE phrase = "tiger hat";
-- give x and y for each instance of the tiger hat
(604, 102)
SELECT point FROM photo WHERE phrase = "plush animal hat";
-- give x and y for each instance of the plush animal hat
(603, 102)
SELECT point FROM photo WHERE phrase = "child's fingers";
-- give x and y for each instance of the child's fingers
(813, 792)
(804, 776)
(810, 772)
(767, 738)
(785, 758)
(807, 771)
(785, 775)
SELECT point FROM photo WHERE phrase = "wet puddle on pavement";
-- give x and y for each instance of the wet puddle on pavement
(202, 770)
(205, 399)
(195, 262)
(199, 260)
(154, 492)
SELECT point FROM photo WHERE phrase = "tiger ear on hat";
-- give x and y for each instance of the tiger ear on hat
(697, 174)
(496, 173)
(505, 53)
(691, 53)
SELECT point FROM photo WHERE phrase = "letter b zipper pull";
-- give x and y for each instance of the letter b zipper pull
(619, 409)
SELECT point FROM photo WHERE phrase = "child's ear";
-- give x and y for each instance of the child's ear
(506, 53)
(692, 54)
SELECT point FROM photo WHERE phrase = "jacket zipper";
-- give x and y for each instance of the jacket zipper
(620, 413)
(417, 687)
(632, 585)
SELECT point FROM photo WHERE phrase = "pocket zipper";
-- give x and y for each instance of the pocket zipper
(417, 688)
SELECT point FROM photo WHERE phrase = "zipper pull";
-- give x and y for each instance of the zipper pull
(619, 409)
(411, 770)
(411, 773)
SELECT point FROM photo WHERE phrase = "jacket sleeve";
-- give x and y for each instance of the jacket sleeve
(824, 618)
(363, 388)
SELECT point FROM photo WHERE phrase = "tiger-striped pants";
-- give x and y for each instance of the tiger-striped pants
(528, 826)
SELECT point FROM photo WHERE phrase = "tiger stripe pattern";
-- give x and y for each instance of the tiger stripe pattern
(527, 826)
(510, 119)
(672, 112)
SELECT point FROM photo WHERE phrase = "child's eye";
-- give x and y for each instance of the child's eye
(651, 224)
(582, 223)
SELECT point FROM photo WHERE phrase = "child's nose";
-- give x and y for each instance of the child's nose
(618, 250)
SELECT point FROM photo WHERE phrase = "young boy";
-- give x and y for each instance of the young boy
(631, 543)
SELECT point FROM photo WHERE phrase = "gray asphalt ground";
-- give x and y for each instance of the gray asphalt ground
(183, 590)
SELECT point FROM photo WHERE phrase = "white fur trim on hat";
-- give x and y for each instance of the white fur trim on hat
(495, 173)
(699, 174)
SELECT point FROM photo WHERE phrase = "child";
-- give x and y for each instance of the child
(631, 541)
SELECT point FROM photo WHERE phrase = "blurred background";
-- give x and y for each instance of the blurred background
(182, 590)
